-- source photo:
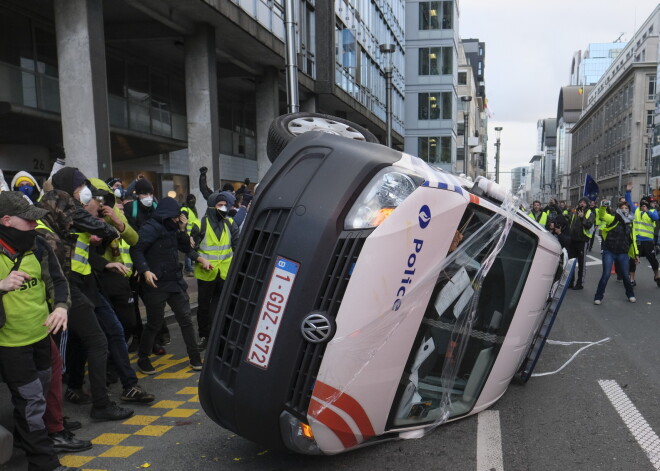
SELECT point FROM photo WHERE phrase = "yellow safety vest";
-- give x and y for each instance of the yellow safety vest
(543, 220)
(26, 307)
(192, 219)
(588, 232)
(124, 255)
(80, 259)
(643, 225)
(218, 252)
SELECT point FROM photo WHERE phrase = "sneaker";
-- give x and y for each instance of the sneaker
(65, 441)
(158, 350)
(70, 425)
(77, 396)
(196, 364)
(137, 394)
(111, 411)
(633, 299)
(203, 343)
(166, 339)
(596, 302)
(144, 366)
(578, 286)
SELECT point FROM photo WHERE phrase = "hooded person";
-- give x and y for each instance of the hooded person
(26, 184)
(214, 243)
(582, 225)
(156, 259)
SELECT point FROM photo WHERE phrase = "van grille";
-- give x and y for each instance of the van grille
(329, 299)
(254, 263)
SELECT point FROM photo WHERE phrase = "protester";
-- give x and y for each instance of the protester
(581, 227)
(617, 243)
(29, 276)
(215, 242)
(26, 184)
(644, 223)
(155, 256)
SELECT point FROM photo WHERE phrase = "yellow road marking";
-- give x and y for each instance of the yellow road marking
(188, 390)
(183, 373)
(181, 413)
(110, 438)
(141, 420)
(120, 451)
(75, 461)
(167, 404)
(195, 398)
(154, 430)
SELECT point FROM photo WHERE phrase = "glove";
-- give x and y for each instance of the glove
(203, 170)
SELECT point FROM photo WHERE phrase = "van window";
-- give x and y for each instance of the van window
(440, 344)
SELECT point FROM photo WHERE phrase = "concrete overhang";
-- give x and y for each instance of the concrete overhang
(22, 125)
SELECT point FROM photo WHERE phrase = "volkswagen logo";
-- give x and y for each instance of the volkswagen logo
(424, 216)
(317, 328)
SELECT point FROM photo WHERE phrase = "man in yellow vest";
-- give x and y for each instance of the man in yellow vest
(644, 232)
(29, 276)
(215, 242)
(582, 228)
(191, 213)
(537, 214)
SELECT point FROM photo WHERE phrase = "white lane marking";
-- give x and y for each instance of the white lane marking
(489, 442)
(638, 426)
(594, 261)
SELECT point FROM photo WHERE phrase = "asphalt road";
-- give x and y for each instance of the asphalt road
(562, 421)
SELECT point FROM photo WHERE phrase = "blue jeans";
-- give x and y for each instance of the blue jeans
(117, 347)
(621, 261)
(187, 264)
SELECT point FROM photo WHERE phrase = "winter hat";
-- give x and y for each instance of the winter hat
(112, 180)
(586, 200)
(24, 177)
(167, 208)
(68, 179)
(143, 186)
(220, 196)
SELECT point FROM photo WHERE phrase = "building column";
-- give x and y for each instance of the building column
(309, 105)
(268, 108)
(83, 86)
(202, 109)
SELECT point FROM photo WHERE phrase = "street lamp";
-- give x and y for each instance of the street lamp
(466, 128)
(498, 132)
(649, 153)
(388, 50)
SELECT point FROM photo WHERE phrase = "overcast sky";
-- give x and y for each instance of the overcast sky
(529, 48)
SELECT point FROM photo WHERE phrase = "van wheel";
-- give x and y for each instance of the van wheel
(284, 128)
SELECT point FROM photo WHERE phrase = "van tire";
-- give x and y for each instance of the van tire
(288, 126)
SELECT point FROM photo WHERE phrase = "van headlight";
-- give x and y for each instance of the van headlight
(381, 196)
(298, 436)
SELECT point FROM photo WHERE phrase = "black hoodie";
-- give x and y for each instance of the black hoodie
(157, 249)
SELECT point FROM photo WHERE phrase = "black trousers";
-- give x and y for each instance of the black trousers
(154, 302)
(26, 370)
(86, 342)
(208, 296)
(577, 250)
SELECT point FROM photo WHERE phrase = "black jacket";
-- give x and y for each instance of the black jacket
(158, 249)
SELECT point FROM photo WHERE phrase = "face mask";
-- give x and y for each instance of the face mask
(222, 211)
(85, 195)
(170, 225)
(119, 192)
(27, 190)
(147, 201)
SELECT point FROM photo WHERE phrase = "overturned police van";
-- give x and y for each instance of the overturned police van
(373, 297)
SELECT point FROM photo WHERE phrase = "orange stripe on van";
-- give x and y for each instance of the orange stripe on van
(334, 422)
(474, 199)
(346, 403)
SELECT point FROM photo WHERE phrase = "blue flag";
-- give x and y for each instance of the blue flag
(590, 188)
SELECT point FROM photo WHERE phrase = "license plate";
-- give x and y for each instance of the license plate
(272, 309)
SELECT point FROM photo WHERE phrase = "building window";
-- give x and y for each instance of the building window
(434, 106)
(462, 78)
(649, 118)
(435, 61)
(436, 15)
(434, 149)
(651, 88)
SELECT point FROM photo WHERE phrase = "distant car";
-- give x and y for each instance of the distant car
(373, 296)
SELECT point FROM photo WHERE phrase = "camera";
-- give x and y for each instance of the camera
(606, 203)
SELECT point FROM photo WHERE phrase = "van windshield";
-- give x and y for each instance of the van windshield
(420, 392)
